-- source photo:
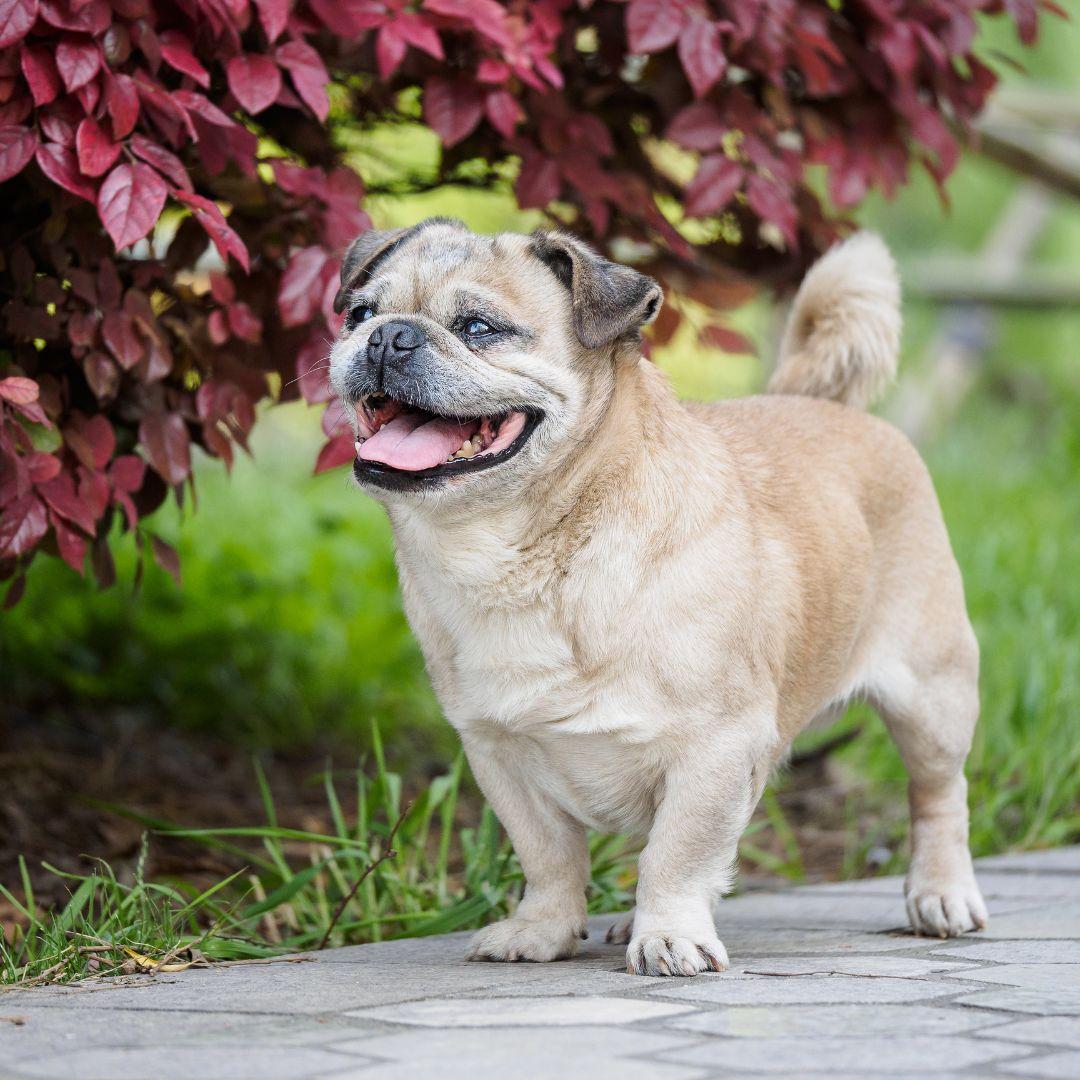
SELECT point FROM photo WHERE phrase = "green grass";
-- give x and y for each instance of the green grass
(391, 868)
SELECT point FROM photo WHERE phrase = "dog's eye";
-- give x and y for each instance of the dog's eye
(361, 313)
(477, 327)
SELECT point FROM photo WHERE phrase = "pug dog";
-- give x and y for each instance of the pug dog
(629, 605)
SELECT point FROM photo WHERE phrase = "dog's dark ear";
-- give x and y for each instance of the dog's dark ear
(607, 300)
(362, 255)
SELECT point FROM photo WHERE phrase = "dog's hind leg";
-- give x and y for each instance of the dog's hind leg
(930, 710)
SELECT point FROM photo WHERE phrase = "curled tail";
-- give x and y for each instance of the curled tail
(843, 334)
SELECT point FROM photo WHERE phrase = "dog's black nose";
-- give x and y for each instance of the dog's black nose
(393, 343)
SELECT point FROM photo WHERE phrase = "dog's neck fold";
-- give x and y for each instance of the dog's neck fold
(637, 445)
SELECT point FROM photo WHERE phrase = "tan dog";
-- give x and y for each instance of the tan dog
(630, 605)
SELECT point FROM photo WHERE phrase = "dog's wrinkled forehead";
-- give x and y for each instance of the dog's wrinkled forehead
(426, 268)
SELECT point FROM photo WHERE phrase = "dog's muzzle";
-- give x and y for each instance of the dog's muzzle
(390, 347)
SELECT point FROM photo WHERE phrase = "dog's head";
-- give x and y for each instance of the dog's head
(477, 363)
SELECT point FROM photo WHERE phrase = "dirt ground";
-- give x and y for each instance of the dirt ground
(58, 779)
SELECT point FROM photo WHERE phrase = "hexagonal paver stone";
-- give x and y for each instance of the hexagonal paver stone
(1066, 1066)
(1017, 952)
(1060, 859)
(1047, 977)
(810, 990)
(1020, 1000)
(575, 1053)
(518, 1011)
(924, 1054)
(1046, 921)
(1046, 1031)
(847, 1021)
(184, 1062)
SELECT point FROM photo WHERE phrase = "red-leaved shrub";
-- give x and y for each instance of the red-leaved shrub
(175, 198)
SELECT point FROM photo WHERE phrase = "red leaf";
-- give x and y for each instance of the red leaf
(78, 62)
(347, 18)
(22, 524)
(418, 32)
(176, 52)
(772, 203)
(503, 111)
(91, 439)
(84, 16)
(202, 107)
(340, 450)
(537, 183)
(308, 73)
(217, 327)
(122, 101)
(39, 70)
(60, 165)
(274, 15)
(390, 50)
(897, 44)
(126, 473)
(165, 438)
(96, 150)
(312, 371)
(63, 499)
(713, 186)
(723, 337)
(71, 544)
(42, 467)
(698, 126)
(166, 557)
(59, 120)
(101, 375)
(452, 108)
(118, 333)
(300, 288)
(243, 322)
(210, 217)
(652, 25)
(166, 163)
(254, 80)
(130, 202)
(701, 55)
(19, 390)
(490, 70)
(17, 146)
(16, 18)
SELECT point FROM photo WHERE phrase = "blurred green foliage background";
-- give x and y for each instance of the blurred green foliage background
(288, 629)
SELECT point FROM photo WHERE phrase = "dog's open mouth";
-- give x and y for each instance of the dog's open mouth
(404, 438)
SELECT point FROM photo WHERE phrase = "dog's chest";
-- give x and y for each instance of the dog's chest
(510, 666)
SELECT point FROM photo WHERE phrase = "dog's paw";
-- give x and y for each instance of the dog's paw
(527, 939)
(657, 953)
(620, 931)
(944, 908)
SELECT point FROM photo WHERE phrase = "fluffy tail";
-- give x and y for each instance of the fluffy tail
(843, 334)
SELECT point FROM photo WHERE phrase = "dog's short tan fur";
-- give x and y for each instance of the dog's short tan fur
(629, 621)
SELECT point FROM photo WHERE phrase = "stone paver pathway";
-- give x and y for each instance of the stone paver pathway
(824, 981)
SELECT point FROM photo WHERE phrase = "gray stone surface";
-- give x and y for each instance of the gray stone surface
(824, 980)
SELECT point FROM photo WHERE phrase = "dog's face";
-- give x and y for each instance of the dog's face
(472, 364)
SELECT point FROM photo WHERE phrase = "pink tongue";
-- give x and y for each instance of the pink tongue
(409, 443)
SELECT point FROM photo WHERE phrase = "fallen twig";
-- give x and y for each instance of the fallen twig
(387, 852)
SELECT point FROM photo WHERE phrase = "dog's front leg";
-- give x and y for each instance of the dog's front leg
(552, 847)
(689, 860)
